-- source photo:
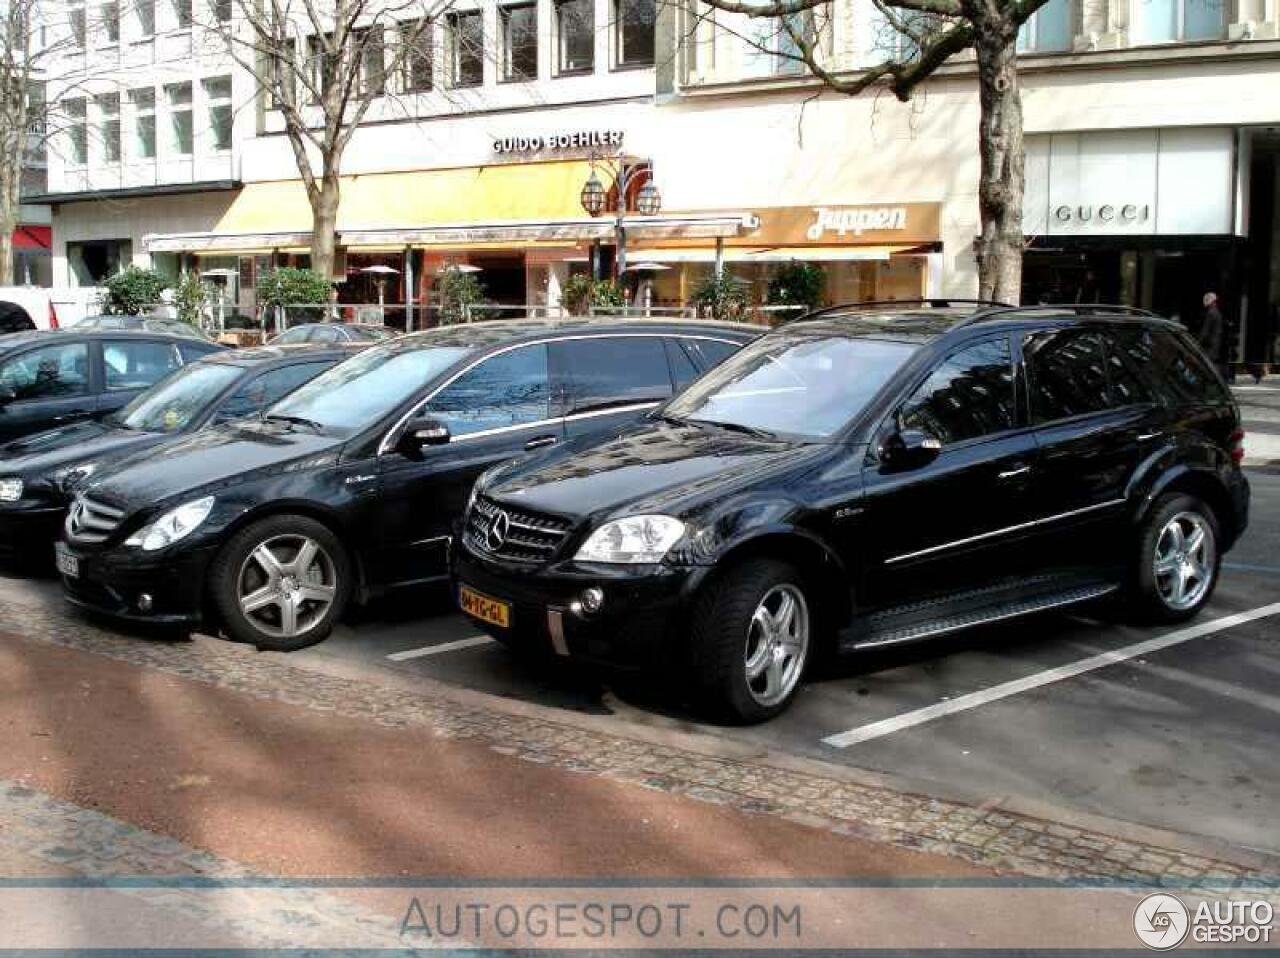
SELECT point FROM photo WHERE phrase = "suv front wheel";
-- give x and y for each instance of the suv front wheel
(751, 635)
(1178, 558)
(281, 583)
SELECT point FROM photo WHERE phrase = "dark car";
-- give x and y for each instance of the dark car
(14, 319)
(38, 472)
(353, 484)
(335, 333)
(51, 378)
(150, 324)
(865, 478)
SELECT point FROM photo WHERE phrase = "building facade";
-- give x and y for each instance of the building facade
(1151, 158)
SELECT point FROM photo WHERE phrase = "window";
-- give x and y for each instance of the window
(370, 47)
(262, 391)
(1178, 371)
(323, 334)
(222, 10)
(218, 92)
(137, 365)
(614, 371)
(633, 31)
(76, 24)
(713, 351)
(1067, 373)
(146, 10)
(773, 46)
(683, 369)
(466, 53)
(968, 396)
(110, 13)
(519, 41)
(50, 372)
(510, 389)
(144, 123)
(109, 126)
(284, 76)
(179, 400)
(575, 36)
(1125, 372)
(418, 60)
(322, 66)
(77, 131)
(180, 121)
(1048, 29)
(182, 13)
(1171, 21)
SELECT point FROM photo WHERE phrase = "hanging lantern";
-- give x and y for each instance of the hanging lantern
(649, 200)
(593, 195)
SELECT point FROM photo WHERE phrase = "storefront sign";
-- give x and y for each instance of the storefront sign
(559, 141)
(1106, 213)
(855, 220)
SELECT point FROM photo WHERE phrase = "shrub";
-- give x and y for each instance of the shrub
(457, 290)
(287, 286)
(798, 284)
(189, 297)
(721, 297)
(131, 291)
(582, 292)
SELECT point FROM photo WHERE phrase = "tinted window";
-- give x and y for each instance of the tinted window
(683, 370)
(193, 351)
(508, 390)
(713, 351)
(182, 398)
(1125, 371)
(137, 365)
(1183, 374)
(804, 385)
(259, 392)
(969, 395)
(324, 334)
(1068, 374)
(615, 369)
(296, 335)
(48, 372)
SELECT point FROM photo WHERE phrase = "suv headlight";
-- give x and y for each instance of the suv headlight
(174, 525)
(10, 490)
(635, 539)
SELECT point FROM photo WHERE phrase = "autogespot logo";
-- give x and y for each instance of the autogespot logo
(1161, 921)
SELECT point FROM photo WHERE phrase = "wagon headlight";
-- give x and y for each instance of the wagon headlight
(10, 490)
(633, 540)
(174, 525)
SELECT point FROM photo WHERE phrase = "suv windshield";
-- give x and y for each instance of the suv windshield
(174, 403)
(359, 391)
(805, 387)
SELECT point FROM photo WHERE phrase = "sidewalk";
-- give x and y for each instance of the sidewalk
(1260, 413)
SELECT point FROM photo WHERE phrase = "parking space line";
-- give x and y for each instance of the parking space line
(1250, 567)
(906, 720)
(437, 649)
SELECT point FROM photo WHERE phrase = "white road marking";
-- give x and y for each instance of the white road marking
(437, 649)
(906, 720)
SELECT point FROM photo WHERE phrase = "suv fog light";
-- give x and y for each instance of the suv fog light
(145, 603)
(592, 600)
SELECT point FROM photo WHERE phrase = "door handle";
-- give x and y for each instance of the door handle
(540, 442)
(1014, 473)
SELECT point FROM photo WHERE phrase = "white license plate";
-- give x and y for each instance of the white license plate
(67, 564)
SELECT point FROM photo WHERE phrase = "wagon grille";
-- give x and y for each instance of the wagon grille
(92, 520)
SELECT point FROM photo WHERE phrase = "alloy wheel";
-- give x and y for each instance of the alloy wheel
(1185, 560)
(287, 585)
(777, 645)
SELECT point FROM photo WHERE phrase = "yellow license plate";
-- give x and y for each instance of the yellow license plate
(493, 611)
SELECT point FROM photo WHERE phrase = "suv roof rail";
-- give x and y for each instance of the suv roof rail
(934, 302)
(1077, 309)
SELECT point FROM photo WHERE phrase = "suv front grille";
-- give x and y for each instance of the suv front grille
(92, 520)
(513, 534)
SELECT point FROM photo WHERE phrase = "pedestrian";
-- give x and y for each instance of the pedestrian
(1211, 332)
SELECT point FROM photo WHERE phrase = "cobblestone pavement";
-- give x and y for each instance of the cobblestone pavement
(997, 839)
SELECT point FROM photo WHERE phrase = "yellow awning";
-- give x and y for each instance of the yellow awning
(388, 201)
(774, 254)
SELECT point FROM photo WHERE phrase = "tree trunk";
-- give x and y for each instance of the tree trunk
(9, 211)
(6, 256)
(324, 225)
(1002, 177)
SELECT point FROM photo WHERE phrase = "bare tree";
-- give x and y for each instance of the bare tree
(322, 64)
(927, 34)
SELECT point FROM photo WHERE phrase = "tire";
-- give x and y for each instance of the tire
(286, 608)
(728, 644)
(1191, 570)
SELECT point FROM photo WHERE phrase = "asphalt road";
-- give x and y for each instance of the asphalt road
(1180, 737)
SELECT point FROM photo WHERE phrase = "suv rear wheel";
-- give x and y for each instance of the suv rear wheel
(1178, 558)
(752, 634)
(281, 583)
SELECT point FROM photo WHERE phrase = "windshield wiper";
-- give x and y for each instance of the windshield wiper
(755, 431)
(294, 421)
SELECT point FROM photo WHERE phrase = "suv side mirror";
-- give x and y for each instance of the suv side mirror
(910, 449)
(419, 434)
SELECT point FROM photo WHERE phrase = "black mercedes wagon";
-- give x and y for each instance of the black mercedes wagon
(866, 477)
(352, 484)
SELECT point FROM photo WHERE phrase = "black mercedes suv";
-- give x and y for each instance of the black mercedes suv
(352, 484)
(865, 477)
(39, 473)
